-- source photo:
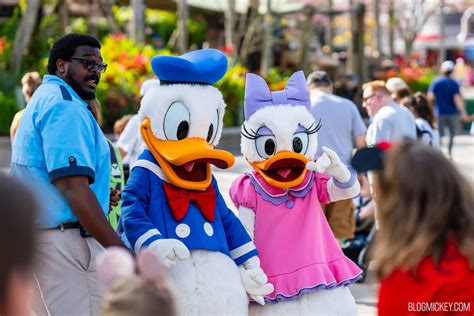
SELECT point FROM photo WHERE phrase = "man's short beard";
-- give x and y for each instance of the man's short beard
(84, 95)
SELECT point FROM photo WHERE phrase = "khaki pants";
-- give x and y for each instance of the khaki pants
(340, 216)
(66, 280)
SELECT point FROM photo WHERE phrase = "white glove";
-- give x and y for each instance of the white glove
(170, 250)
(330, 164)
(255, 280)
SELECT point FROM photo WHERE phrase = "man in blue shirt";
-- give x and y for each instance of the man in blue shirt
(342, 126)
(449, 103)
(62, 155)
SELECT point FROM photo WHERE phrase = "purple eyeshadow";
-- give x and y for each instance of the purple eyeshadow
(264, 131)
(301, 129)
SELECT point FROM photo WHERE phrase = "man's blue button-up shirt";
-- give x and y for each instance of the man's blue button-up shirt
(57, 137)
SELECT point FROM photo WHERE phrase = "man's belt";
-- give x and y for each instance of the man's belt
(64, 226)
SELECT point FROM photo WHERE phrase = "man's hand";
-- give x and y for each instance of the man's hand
(170, 250)
(255, 280)
(466, 118)
(461, 107)
(115, 197)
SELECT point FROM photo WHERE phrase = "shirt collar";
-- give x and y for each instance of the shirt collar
(56, 79)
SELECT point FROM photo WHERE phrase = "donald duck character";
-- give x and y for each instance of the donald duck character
(279, 203)
(172, 204)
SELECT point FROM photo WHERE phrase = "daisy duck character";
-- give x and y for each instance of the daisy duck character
(279, 203)
(172, 204)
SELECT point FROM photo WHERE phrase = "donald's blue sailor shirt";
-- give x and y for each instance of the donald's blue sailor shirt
(57, 137)
(146, 217)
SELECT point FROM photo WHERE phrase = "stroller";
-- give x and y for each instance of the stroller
(357, 248)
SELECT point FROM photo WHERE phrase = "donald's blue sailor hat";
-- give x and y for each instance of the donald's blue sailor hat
(203, 66)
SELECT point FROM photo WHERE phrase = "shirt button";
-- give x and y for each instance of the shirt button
(290, 204)
(208, 229)
(183, 230)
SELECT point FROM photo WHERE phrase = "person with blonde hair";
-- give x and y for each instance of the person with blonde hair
(390, 121)
(120, 125)
(424, 250)
(29, 82)
(135, 285)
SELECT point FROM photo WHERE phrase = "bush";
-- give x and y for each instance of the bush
(162, 23)
(232, 87)
(418, 78)
(8, 102)
(128, 66)
(276, 79)
(8, 108)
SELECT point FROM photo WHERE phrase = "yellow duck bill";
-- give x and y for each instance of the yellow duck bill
(186, 162)
(283, 170)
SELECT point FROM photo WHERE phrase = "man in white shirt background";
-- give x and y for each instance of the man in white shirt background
(389, 121)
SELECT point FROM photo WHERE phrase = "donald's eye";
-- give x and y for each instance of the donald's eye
(176, 121)
(183, 129)
(300, 143)
(266, 146)
(212, 131)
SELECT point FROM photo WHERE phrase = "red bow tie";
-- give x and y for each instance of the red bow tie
(178, 200)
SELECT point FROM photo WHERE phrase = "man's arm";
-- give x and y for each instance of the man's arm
(359, 129)
(123, 153)
(360, 141)
(459, 102)
(431, 98)
(86, 208)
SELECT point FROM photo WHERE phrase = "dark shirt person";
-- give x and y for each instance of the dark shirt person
(62, 154)
(17, 242)
(445, 92)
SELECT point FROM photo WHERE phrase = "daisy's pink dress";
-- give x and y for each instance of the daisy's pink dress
(297, 249)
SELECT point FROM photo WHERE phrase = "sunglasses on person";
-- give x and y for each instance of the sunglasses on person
(90, 64)
(369, 97)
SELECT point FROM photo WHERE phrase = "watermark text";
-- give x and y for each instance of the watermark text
(439, 306)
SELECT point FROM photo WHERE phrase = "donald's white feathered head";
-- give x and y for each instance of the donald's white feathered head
(279, 135)
(182, 118)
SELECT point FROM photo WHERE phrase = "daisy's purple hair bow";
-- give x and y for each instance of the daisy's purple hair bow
(258, 95)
